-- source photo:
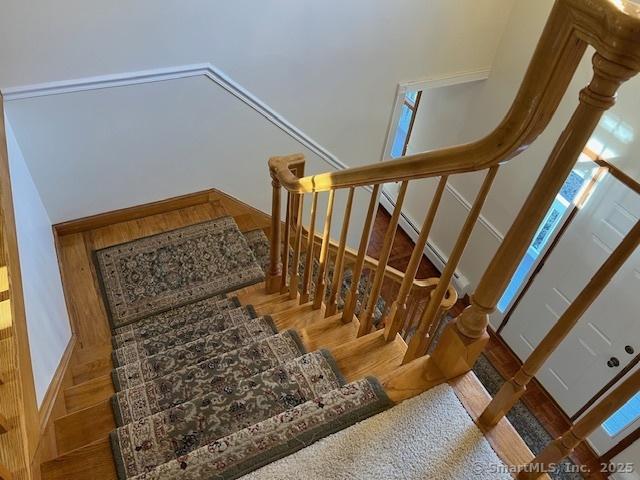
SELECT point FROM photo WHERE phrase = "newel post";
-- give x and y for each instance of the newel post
(274, 274)
(464, 340)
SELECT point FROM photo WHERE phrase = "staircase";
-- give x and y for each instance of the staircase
(100, 401)
(320, 298)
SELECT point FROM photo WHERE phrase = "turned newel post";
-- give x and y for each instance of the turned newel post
(274, 274)
(463, 341)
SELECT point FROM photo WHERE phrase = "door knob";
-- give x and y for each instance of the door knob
(629, 349)
(613, 362)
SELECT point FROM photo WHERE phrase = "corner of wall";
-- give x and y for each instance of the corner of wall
(48, 323)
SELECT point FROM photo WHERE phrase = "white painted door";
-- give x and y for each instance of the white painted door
(584, 363)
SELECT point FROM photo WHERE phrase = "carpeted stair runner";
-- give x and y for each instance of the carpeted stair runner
(214, 374)
(278, 436)
(172, 319)
(204, 388)
(134, 351)
(159, 438)
(155, 366)
(160, 272)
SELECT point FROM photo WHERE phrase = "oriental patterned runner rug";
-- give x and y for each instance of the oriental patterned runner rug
(247, 449)
(214, 374)
(164, 271)
(148, 443)
(206, 388)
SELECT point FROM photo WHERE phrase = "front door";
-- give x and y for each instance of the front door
(599, 346)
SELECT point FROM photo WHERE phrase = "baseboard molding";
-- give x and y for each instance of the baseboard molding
(55, 386)
(131, 213)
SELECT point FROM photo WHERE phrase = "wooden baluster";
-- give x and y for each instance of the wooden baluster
(308, 264)
(413, 306)
(286, 245)
(275, 267)
(399, 307)
(324, 253)
(297, 246)
(512, 390)
(365, 318)
(561, 447)
(462, 342)
(352, 297)
(338, 271)
(418, 342)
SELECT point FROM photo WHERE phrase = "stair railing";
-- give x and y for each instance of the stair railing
(611, 27)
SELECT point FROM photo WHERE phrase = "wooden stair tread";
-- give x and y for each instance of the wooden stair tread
(329, 333)
(281, 304)
(84, 426)
(297, 317)
(94, 461)
(246, 222)
(254, 294)
(369, 355)
(88, 393)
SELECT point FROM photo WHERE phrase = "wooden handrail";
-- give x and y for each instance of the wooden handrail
(609, 26)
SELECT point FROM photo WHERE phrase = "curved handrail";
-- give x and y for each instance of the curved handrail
(612, 27)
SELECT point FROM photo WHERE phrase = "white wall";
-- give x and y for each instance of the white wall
(47, 318)
(440, 122)
(100, 150)
(460, 117)
(331, 68)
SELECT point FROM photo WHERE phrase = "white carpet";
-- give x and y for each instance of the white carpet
(428, 437)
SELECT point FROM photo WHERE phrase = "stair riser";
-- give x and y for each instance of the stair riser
(83, 427)
(88, 393)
